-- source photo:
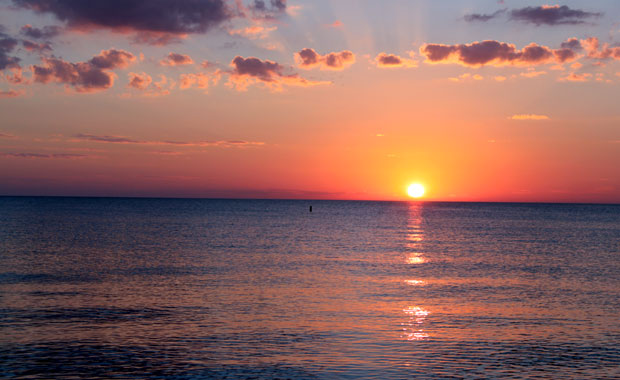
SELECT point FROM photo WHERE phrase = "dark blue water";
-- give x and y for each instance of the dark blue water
(246, 289)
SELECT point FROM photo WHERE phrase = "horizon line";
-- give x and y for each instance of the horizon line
(310, 199)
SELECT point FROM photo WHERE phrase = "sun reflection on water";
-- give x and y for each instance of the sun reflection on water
(415, 260)
(415, 235)
(413, 328)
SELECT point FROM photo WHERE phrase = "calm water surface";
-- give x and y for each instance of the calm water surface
(240, 289)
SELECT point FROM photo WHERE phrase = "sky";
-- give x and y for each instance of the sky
(478, 100)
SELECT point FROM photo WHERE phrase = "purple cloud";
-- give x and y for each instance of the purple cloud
(35, 46)
(90, 76)
(154, 21)
(481, 17)
(540, 15)
(7, 44)
(246, 71)
(552, 15)
(176, 59)
(496, 53)
(308, 58)
(44, 33)
(267, 10)
(266, 71)
(384, 60)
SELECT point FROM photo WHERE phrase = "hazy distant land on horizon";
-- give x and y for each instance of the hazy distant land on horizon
(188, 288)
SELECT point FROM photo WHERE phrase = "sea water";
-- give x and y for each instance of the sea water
(265, 289)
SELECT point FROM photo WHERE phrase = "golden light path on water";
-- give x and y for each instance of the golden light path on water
(413, 327)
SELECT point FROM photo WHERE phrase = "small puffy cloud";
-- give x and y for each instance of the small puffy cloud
(90, 76)
(145, 83)
(552, 15)
(266, 71)
(529, 117)
(176, 59)
(384, 60)
(338, 61)
(112, 59)
(500, 78)
(568, 50)
(389, 60)
(491, 52)
(595, 50)
(251, 70)
(44, 33)
(572, 44)
(308, 58)
(139, 81)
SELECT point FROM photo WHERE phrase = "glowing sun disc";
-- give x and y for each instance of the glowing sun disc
(415, 190)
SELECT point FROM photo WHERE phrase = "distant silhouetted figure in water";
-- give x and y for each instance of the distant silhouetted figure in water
(310, 208)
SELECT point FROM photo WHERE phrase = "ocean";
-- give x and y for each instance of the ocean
(111, 288)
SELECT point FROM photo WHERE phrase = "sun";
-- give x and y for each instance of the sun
(415, 190)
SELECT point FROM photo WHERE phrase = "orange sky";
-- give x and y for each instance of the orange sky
(478, 101)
